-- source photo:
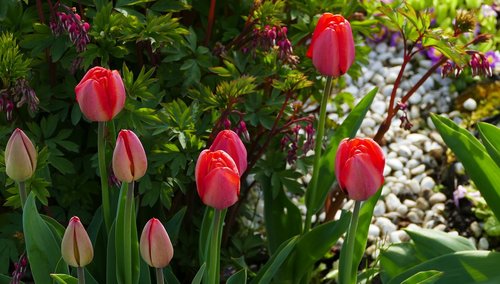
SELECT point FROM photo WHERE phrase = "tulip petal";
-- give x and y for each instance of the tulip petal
(322, 24)
(76, 247)
(220, 188)
(68, 245)
(129, 158)
(90, 95)
(360, 177)
(20, 156)
(346, 46)
(115, 86)
(326, 53)
(161, 249)
(230, 142)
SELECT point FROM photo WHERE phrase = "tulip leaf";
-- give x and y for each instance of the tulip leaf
(239, 277)
(56, 228)
(479, 165)
(4, 279)
(64, 278)
(170, 276)
(432, 243)
(490, 135)
(396, 259)
(313, 245)
(349, 128)
(424, 277)
(364, 221)
(42, 247)
(459, 267)
(205, 233)
(199, 275)
(111, 257)
(173, 225)
(267, 272)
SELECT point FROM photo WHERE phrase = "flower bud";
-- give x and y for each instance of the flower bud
(332, 45)
(217, 179)
(229, 142)
(129, 158)
(76, 248)
(359, 167)
(156, 248)
(100, 94)
(20, 156)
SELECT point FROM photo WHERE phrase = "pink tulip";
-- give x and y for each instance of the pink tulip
(332, 45)
(76, 248)
(100, 94)
(155, 245)
(229, 142)
(359, 167)
(20, 156)
(129, 158)
(217, 179)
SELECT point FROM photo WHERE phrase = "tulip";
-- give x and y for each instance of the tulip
(76, 248)
(100, 94)
(129, 159)
(156, 248)
(332, 45)
(20, 157)
(359, 167)
(229, 142)
(217, 179)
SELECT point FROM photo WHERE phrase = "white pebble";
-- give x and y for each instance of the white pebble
(418, 170)
(414, 186)
(427, 183)
(395, 164)
(379, 208)
(402, 209)
(373, 230)
(378, 107)
(470, 104)
(385, 225)
(483, 244)
(476, 229)
(437, 197)
(409, 203)
(392, 202)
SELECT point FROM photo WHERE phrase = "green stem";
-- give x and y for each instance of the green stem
(345, 278)
(22, 193)
(103, 171)
(317, 151)
(127, 238)
(213, 260)
(159, 276)
(81, 275)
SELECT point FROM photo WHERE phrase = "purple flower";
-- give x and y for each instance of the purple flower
(458, 194)
(493, 58)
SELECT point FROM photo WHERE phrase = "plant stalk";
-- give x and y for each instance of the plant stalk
(101, 153)
(159, 276)
(22, 193)
(317, 149)
(81, 275)
(345, 278)
(129, 202)
(213, 260)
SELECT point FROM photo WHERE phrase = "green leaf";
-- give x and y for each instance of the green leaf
(459, 267)
(170, 276)
(432, 243)
(64, 278)
(4, 279)
(479, 165)
(43, 250)
(173, 225)
(199, 275)
(313, 245)
(424, 277)
(396, 259)
(490, 135)
(111, 257)
(364, 221)
(327, 166)
(267, 272)
(239, 277)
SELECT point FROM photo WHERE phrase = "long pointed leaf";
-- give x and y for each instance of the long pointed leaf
(490, 135)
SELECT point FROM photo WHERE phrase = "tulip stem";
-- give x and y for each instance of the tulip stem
(22, 193)
(213, 260)
(126, 233)
(317, 151)
(101, 152)
(81, 275)
(159, 276)
(345, 278)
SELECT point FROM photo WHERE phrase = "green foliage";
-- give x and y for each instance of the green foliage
(13, 65)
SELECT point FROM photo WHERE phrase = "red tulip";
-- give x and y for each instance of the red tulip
(229, 142)
(20, 156)
(100, 94)
(359, 167)
(76, 248)
(156, 248)
(332, 45)
(217, 179)
(129, 158)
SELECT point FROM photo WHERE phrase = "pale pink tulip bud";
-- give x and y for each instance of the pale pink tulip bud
(129, 158)
(156, 248)
(76, 248)
(20, 156)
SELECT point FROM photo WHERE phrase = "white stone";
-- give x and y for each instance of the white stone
(392, 202)
(414, 218)
(368, 122)
(427, 183)
(373, 230)
(391, 77)
(352, 90)
(476, 229)
(395, 164)
(378, 80)
(385, 225)
(459, 168)
(422, 203)
(412, 163)
(396, 60)
(438, 208)
(416, 138)
(394, 237)
(414, 186)
(367, 75)
(403, 150)
(379, 208)
(409, 203)
(470, 104)
(378, 107)
(413, 227)
(418, 170)
(437, 197)
(387, 90)
(440, 227)
(402, 209)
(381, 47)
(387, 170)
(483, 244)
(416, 98)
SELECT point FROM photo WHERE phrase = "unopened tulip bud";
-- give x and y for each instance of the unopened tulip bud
(229, 142)
(20, 156)
(76, 248)
(129, 158)
(156, 248)
(359, 167)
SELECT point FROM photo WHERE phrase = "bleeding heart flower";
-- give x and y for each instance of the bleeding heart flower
(100, 94)
(359, 167)
(217, 179)
(155, 245)
(332, 45)
(20, 156)
(230, 142)
(76, 248)
(129, 158)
